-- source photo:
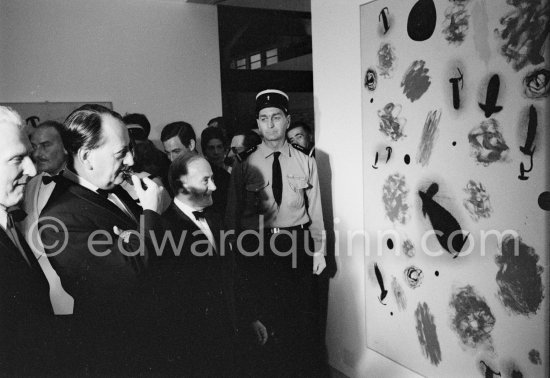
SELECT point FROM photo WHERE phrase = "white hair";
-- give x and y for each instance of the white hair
(10, 116)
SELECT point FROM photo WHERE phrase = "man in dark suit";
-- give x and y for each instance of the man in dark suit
(25, 312)
(197, 276)
(90, 232)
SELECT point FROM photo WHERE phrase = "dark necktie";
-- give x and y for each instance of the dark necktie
(277, 179)
(199, 215)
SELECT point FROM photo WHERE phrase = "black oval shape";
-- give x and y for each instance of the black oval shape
(544, 201)
(422, 20)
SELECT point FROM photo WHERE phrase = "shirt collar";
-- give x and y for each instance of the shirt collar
(185, 208)
(67, 173)
(266, 151)
(3, 218)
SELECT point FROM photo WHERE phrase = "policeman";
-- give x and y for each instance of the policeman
(274, 208)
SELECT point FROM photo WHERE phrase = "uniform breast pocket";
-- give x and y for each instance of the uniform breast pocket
(297, 185)
(255, 197)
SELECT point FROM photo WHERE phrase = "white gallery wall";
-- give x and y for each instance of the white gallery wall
(157, 57)
(358, 321)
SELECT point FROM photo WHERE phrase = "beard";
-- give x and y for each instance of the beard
(201, 198)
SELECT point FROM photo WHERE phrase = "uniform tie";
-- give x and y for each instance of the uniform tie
(277, 179)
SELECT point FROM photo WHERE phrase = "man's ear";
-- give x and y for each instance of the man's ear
(83, 156)
(192, 145)
(183, 185)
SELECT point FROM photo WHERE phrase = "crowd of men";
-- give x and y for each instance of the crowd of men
(120, 260)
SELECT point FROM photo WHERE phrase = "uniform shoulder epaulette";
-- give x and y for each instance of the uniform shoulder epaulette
(246, 153)
(300, 148)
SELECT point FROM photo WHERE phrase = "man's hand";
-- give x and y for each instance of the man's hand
(149, 198)
(319, 263)
(260, 332)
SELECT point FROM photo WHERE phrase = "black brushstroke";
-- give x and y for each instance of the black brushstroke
(490, 105)
(544, 201)
(534, 357)
(383, 291)
(528, 148)
(448, 231)
(421, 21)
(537, 83)
(407, 159)
(416, 80)
(519, 278)
(456, 23)
(427, 334)
(390, 244)
(389, 153)
(524, 31)
(413, 276)
(471, 317)
(384, 20)
(489, 373)
(375, 161)
(456, 92)
(487, 142)
(523, 171)
(371, 79)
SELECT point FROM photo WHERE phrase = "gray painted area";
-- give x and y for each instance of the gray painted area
(519, 277)
(394, 197)
(427, 333)
(429, 134)
(471, 318)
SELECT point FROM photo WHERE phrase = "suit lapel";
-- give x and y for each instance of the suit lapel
(181, 215)
(97, 200)
(193, 227)
(13, 252)
(214, 227)
(127, 200)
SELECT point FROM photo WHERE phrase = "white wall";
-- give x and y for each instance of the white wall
(160, 58)
(337, 84)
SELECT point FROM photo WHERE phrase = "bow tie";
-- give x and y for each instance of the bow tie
(17, 214)
(199, 215)
(105, 192)
(46, 179)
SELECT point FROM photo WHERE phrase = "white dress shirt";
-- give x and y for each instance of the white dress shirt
(201, 224)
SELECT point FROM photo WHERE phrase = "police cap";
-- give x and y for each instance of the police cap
(272, 98)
